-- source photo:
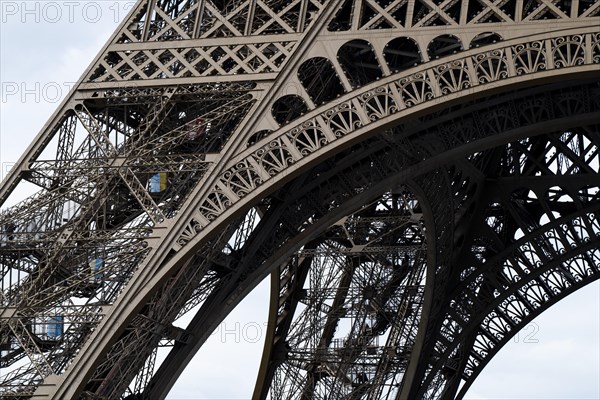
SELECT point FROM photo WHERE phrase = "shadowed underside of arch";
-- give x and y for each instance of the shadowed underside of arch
(509, 195)
(419, 181)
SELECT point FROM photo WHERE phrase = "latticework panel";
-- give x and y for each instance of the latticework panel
(212, 143)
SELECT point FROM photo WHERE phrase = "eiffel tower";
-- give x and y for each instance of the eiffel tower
(419, 179)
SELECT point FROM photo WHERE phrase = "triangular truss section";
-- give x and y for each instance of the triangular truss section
(192, 109)
(399, 14)
(436, 13)
(545, 9)
(490, 11)
(158, 20)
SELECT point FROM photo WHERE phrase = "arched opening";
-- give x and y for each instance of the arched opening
(371, 164)
(443, 45)
(359, 62)
(484, 39)
(257, 136)
(320, 80)
(402, 53)
(288, 108)
(537, 367)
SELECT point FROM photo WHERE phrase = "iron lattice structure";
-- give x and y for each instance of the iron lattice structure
(420, 179)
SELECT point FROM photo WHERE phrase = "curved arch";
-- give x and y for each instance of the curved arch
(506, 340)
(501, 289)
(474, 368)
(288, 108)
(320, 80)
(402, 53)
(226, 214)
(443, 45)
(380, 163)
(484, 39)
(301, 205)
(402, 261)
(416, 90)
(258, 136)
(359, 61)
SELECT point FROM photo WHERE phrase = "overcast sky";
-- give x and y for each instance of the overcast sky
(46, 45)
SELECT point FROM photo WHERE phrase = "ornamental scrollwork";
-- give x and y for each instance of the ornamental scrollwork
(342, 119)
(571, 236)
(594, 223)
(580, 229)
(275, 157)
(584, 266)
(515, 308)
(535, 294)
(495, 122)
(378, 103)
(452, 77)
(415, 89)
(509, 272)
(555, 281)
(596, 48)
(215, 204)
(408, 91)
(483, 345)
(529, 257)
(571, 103)
(530, 57)
(308, 138)
(568, 51)
(496, 325)
(594, 263)
(491, 66)
(534, 110)
(472, 364)
(189, 232)
(241, 179)
(556, 242)
(579, 268)
(528, 294)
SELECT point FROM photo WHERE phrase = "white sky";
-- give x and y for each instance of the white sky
(46, 45)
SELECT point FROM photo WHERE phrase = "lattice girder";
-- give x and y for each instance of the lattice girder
(526, 231)
(379, 160)
(544, 183)
(183, 92)
(372, 304)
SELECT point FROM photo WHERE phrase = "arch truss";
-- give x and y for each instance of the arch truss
(420, 179)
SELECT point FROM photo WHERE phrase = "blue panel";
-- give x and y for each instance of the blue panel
(158, 182)
(54, 326)
(155, 183)
(95, 266)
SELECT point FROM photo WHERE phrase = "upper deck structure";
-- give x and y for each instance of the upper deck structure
(419, 178)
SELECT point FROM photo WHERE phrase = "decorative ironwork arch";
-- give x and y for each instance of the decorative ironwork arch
(169, 186)
(382, 160)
